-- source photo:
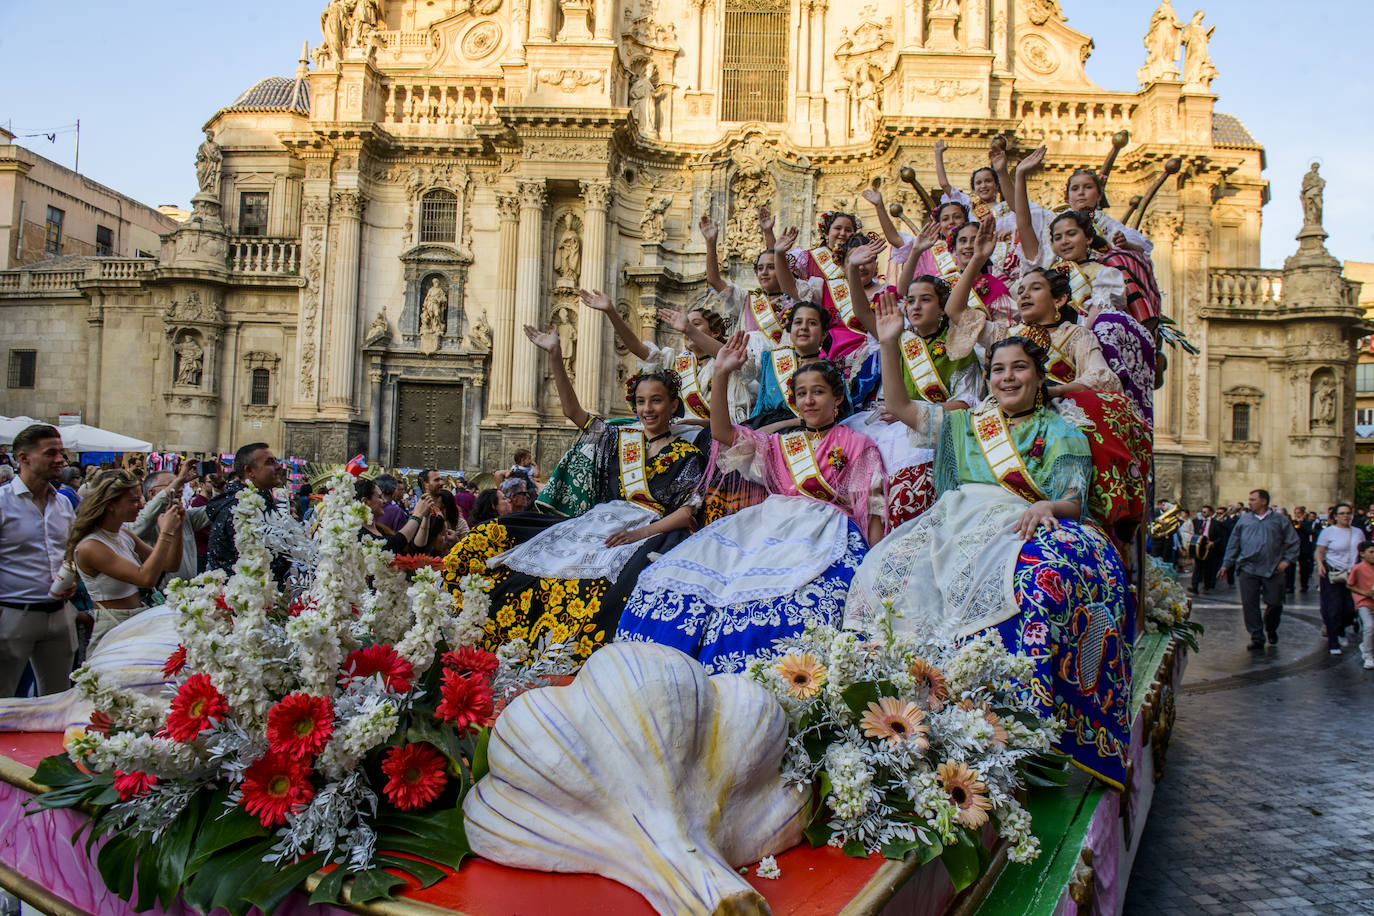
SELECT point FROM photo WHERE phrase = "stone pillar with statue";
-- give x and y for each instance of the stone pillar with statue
(524, 383)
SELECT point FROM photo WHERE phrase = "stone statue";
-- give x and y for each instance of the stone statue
(434, 310)
(567, 264)
(365, 16)
(190, 359)
(1197, 66)
(208, 162)
(643, 102)
(379, 332)
(1312, 187)
(1161, 45)
(334, 28)
(480, 336)
(564, 320)
(651, 223)
(867, 98)
(1324, 402)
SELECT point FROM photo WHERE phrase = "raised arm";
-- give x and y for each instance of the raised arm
(786, 281)
(729, 360)
(889, 332)
(940, 177)
(857, 259)
(678, 322)
(596, 299)
(548, 342)
(983, 245)
(1030, 242)
(164, 556)
(997, 158)
(875, 197)
(925, 240)
(766, 223)
(711, 232)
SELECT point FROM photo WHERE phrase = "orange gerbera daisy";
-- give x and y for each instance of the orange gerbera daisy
(999, 730)
(966, 791)
(417, 776)
(804, 675)
(897, 721)
(932, 680)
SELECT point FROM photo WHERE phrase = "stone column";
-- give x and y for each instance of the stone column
(976, 26)
(603, 11)
(503, 308)
(343, 311)
(95, 320)
(596, 197)
(226, 386)
(818, 9)
(541, 20)
(525, 372)
(374, 427)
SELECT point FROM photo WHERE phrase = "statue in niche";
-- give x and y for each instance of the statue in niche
(379, 332)
(334, 29)
(564, 319)
(567, 262)
(644, 101)
(1312, 186)
(190, 362)
(1324, 401)
(433, 316)
(1161, 45)
(651, 222)
(209, 160)
(868, 102)
(1197, 65)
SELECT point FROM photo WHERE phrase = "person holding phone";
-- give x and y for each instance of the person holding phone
(161, 489)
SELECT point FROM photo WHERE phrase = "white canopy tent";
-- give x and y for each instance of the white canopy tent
(77, 437)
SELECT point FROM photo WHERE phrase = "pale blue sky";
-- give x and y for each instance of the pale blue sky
(144, 76)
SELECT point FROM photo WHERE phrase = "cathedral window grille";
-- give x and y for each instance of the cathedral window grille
(439, 217)
(23, 368)
(754, 75)
(1240, 423)
(253, 213)
(262, 387)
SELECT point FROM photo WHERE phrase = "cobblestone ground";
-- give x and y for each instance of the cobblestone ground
(1267, 802)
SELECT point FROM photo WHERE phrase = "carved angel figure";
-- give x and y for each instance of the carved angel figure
(1161, 44)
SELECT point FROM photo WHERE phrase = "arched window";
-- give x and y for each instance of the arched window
(1240, 423)
(754, 71)
(439, 216)
(262, 387)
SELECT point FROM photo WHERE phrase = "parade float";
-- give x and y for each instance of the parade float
(342, 741)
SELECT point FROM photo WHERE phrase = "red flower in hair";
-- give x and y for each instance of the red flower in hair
(274, 786)
(299, 725)
(466, 701)
(193, 709)
(380, 659)
(416, 774)
(175, 662)
(130, 785)
(472, 659)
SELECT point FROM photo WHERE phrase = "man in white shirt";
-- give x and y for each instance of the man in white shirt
(35, 628)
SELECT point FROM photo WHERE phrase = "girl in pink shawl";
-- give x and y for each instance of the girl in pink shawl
(785, 561)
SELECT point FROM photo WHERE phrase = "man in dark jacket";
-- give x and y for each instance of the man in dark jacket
(254, 466)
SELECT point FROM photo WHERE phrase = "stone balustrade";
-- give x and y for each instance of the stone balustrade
(1244, 288)
(263, 256)
(33, 279)
(428, 101)
(1051, 118)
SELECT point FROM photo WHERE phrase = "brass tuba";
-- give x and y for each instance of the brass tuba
(1166, 524)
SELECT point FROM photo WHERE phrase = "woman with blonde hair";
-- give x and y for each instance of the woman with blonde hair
(112, 562)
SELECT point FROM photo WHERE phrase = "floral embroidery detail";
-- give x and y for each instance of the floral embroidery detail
(837, 459)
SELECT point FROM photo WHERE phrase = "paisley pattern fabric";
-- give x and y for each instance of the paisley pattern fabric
(1130, 351)
(1077, 625)
(725, 638)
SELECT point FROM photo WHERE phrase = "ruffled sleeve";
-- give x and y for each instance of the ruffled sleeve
(1093, 371)
(659, 358)
(956, 196)
(967, 384)
(1134, 236)
(974, 327)
(898, 256)
(1109, 289)
(748, 456)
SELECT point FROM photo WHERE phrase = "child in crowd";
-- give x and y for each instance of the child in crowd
(1361, 585)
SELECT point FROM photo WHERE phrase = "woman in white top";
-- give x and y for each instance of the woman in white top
(1338, 549)
(113, 563)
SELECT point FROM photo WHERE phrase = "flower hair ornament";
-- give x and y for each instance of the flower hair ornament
(829, 216)
(668, 377)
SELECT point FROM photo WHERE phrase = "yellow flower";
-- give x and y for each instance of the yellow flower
(519, 633)
(505, 617)
(803, 674)
(577, 609)
(966, 791)
(559, 633)
(896, 721)
(585, 646)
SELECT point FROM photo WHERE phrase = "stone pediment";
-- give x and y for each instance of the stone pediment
(470, 43)
(1046, 53)
(435, 254)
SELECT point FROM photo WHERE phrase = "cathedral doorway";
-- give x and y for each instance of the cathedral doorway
(430, 431)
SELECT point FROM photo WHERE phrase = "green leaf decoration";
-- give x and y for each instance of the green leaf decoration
(328, 890)
(854, 849)
(373, 884)
(221, 828)
(58, 772)
(425, 875)
(268, 895)
(479, 755)
(818, 834)
(115, 862)
(961, 860)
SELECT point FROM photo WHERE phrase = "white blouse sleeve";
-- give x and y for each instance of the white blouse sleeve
(1109, 289)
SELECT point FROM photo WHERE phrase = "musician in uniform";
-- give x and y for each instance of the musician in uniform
(1203, 549)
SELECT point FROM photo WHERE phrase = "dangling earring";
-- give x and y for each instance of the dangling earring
(1039, 398)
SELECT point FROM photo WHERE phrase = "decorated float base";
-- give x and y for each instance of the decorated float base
(1089, 837)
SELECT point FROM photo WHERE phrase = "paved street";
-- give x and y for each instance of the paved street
(1267, 803)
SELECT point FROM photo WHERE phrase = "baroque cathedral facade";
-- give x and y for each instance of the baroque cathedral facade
(372, 234)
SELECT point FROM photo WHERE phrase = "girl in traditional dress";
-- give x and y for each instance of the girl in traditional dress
(763, 308)
(826, 263)
(808, 328)
(765, 572)
(567, 580)
(1007, 548)
(991, 289)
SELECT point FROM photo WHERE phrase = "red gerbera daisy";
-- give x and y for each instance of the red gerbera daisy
(196, 703)
(416, 774)
(470, 658)
(299, 725)
(100, 722)
(130, 785)
(274, 786)
(175, 662)
(380, 659)
(466, 701)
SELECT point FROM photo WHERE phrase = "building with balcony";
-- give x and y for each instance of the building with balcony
(372, 233)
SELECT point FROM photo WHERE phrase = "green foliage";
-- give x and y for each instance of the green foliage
(1364, 484)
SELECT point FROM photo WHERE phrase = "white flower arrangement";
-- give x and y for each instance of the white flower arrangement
(1168, 608)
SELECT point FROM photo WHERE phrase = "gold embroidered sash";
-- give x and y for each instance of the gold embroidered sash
(921, 368)
(634, 478)
(785, 364)
(1080, 287)
(982, 212)
(944, 260)
(764, 316)
(994, 440)
(801, 464)
(837, 286)
(692, 396)
(1061, 369)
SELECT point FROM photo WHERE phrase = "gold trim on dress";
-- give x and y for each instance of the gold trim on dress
(920, 368)
(801, 464)
(634, 478)
(994, 441)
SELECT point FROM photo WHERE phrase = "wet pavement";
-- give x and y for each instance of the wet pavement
(1267, 800)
